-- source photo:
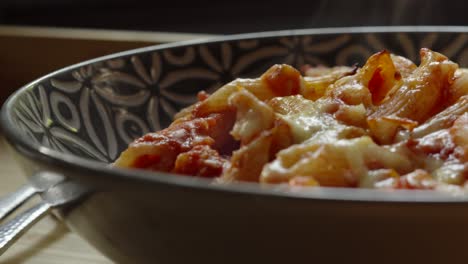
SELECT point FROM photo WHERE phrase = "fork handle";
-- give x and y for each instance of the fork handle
(13, 229)
(11, 201)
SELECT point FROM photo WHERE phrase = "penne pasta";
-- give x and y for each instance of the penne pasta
(388, 125)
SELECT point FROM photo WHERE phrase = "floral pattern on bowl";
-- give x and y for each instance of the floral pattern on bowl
(96, 108)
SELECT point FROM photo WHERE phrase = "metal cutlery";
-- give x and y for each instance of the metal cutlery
(38, 183)
(60, 193)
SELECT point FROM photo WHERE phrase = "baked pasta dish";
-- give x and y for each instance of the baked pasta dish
(390, 124)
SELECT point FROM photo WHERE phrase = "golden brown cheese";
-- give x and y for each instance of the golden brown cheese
(389, 124)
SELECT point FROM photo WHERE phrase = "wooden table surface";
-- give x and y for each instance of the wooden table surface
(27, 53)
(49, 241)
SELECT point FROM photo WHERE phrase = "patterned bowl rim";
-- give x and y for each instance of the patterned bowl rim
(98, 169)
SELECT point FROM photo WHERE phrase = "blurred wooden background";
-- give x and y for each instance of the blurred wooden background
(27, 53)
(229, 16)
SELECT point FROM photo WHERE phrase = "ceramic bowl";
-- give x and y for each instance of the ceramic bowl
(75, 121)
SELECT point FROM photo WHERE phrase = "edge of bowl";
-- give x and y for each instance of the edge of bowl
(24, 146)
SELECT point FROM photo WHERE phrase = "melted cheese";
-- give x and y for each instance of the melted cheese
(307, 125)
(306, 118)
(389, 124)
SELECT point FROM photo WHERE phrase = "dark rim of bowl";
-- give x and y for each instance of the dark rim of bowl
(94, 168)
